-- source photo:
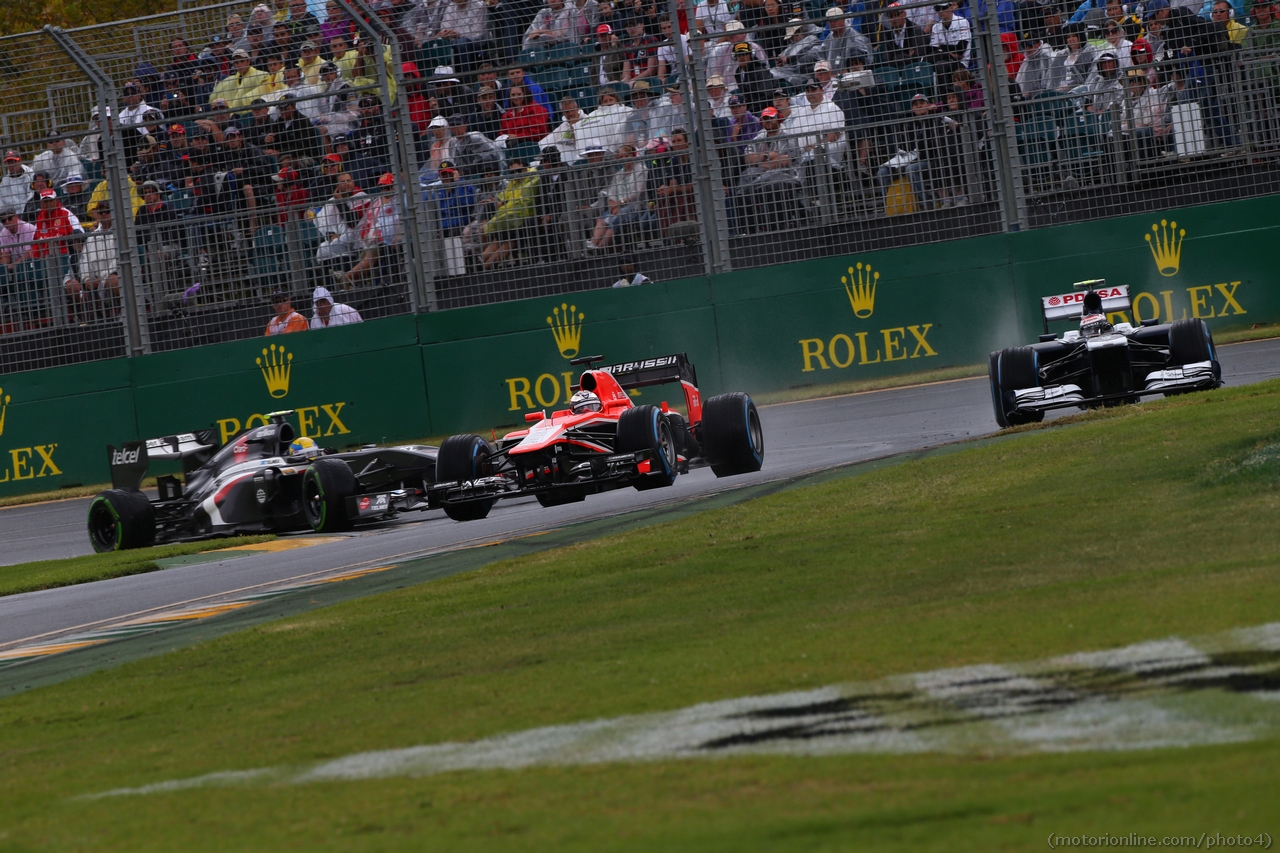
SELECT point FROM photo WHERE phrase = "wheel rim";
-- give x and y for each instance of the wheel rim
(104, 528)
(313, 500)
(756, 433)
(667, 445)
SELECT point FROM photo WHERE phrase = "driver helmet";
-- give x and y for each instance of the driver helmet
(585, 401)
(1092, 325)
(304, 447)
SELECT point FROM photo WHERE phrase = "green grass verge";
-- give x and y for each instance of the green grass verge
(1256, 332)
(1158, 519)
(47, 574)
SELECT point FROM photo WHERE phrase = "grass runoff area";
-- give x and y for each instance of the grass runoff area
(1137, 524)
(47, 574)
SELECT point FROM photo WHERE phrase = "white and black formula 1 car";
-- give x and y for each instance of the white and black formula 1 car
(1099, 364)
(602, 442)
(263, 480)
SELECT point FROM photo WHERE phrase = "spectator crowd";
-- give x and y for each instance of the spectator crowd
(565, 130)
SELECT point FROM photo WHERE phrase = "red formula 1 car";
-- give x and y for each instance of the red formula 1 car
(601, 442)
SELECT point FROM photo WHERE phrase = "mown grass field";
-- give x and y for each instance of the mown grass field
(47, 574)
(1147, 522)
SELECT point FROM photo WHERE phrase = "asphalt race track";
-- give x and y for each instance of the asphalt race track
(799, 438)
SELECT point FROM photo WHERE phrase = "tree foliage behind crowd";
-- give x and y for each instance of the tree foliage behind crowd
(20, 16)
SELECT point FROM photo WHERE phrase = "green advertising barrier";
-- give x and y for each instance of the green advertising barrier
(810, 323)
(348, 385)
(53, 424)
(490, 365)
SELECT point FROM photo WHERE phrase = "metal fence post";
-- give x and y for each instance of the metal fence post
(116, 173)
(1001, 127)
(420, 260)
(708, 184)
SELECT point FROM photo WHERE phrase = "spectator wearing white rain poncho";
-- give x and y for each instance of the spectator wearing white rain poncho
(606, 127)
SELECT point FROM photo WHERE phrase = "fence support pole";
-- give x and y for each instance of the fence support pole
(116, 172)
(420, 260)
(708, 186)
(1001, 131)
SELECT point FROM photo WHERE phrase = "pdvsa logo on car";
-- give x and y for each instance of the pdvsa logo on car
(897, 343)
(22, 461)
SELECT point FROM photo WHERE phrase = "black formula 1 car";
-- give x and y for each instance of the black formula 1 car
(1100, 363)
(602, 442)
(264, 479)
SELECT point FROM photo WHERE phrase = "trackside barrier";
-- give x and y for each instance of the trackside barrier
(810, 323)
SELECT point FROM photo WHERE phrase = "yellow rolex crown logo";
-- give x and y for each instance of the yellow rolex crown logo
(275, 365)
(4, 408)
(860, 285)
(1166, 247)
(566, 327)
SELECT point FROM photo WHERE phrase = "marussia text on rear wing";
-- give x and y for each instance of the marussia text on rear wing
(653, 371)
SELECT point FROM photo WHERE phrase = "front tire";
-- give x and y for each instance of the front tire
(120, 520)
(732, 438)
(645, 428)
(461, 458)
(326, 485)
(1009, 370)
(1189, 342)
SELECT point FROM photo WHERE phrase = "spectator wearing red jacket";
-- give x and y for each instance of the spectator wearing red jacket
(524, 124)
(291, 196)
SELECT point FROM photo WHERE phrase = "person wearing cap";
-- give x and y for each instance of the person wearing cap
(449, 94)
(564, 138)
(826, 80)
(610, 59)
(94, 289)
(627, 275)
(55, 225)
(338, 111)
(343, 55)
(291, 134)
(160, 240)
(380, 233)
(712, 16)
(1105, 90)
(239, 89)
(672, 185)
(842, 42)
(15, 186)
(918, 139)
(286, 320)
(668, 113)
(135, 105)
(636, 130)
(795, 63)
(310, 62)
(755, 82)
(604, 127)
(476, 155)
(552, 25)
(323, 184)
(39, 183)
(818, 123)
(771, 180)
(464, 24)
(898, 41)
(326, 313)
(439, 148)
(743, 127)
(720, 56)
(1146, 120)
(18, 282)
(454, 197)
(1120, 45)
(640, 52)
(718, 98)
(949, 41)
(176, 103)
(75, 195)
(291, 196)
(487, 118)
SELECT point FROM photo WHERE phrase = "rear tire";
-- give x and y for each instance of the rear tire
(645, 428)
(732, 438)
(462, 457)
(120, 520)
(326, 485)
(1009, 370)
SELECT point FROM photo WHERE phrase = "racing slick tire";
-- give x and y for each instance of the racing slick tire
(732, 439)
(120, 520)
(461, 458)
(1008, 370)
(645, 428)
(326, 485)
(1189, 342)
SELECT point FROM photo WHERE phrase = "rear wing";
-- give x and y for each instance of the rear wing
(130, 461)
(1068, 306)
(653, 371)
